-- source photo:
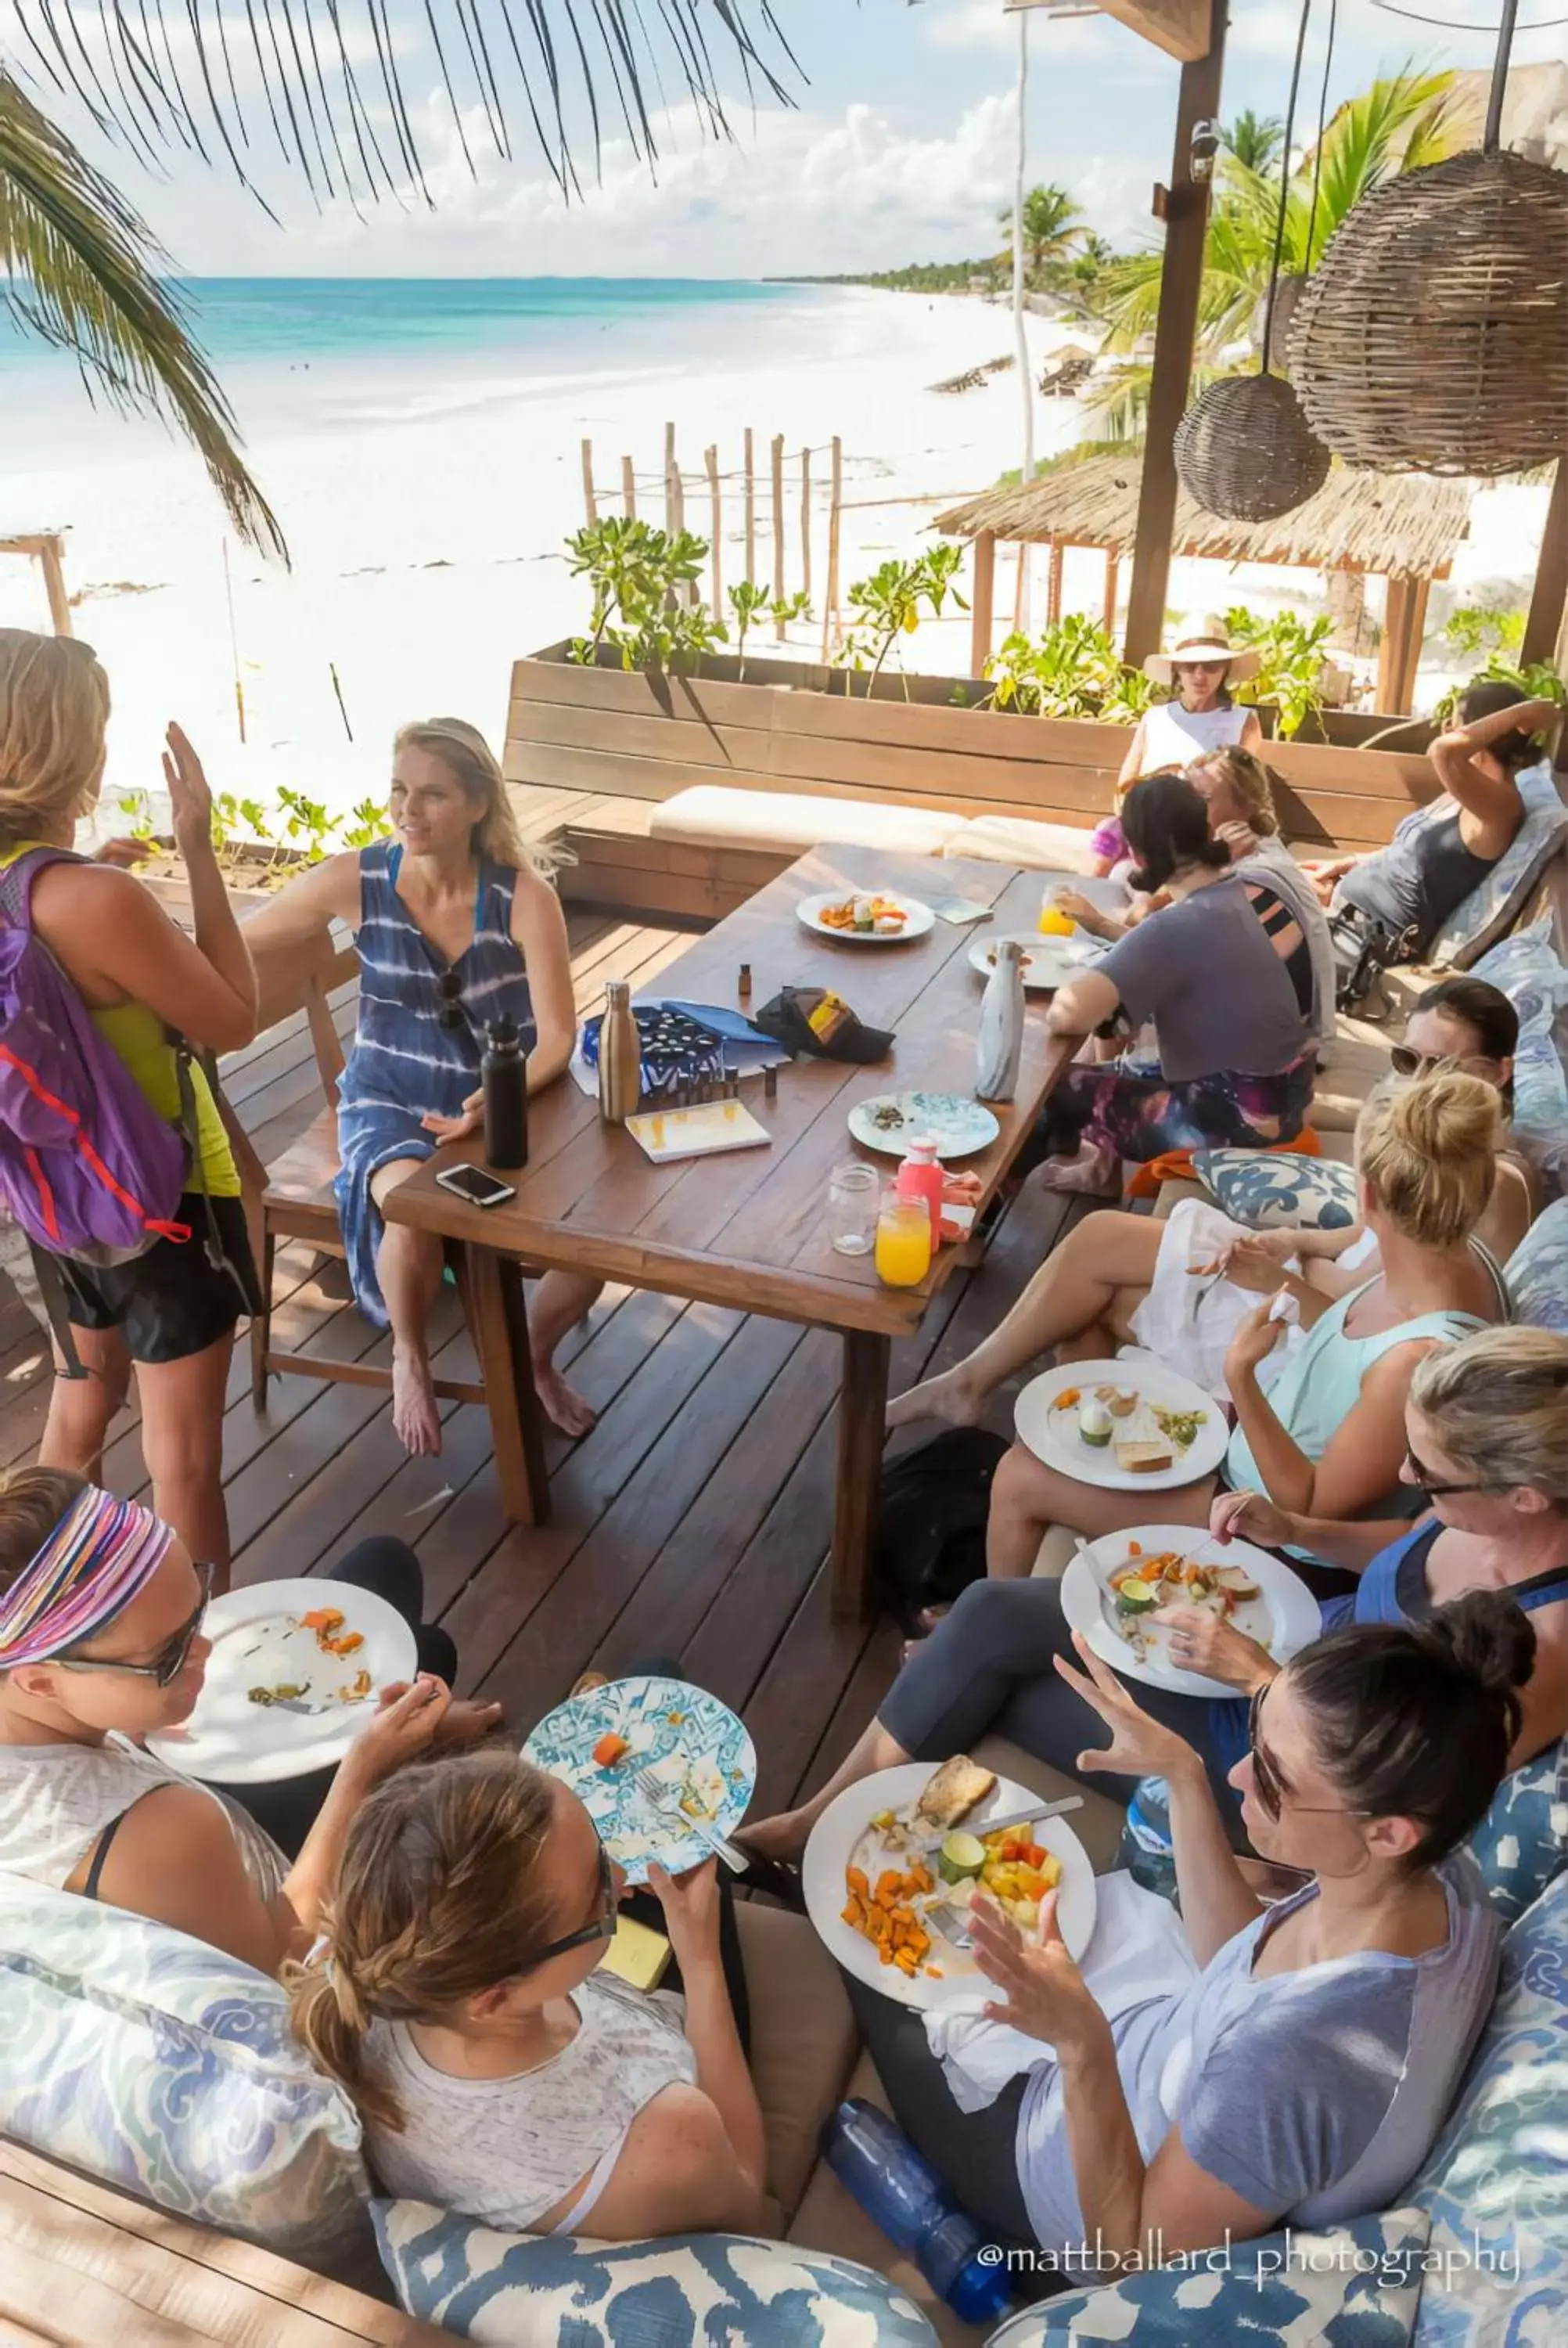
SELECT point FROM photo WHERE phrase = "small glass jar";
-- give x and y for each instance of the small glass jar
(854, 1196)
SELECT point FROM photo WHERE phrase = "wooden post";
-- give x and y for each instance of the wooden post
(589, 502)
(715, 498)
(1175, 337)
(1404, 625)
(805, 521)
(834, 521)
(778, 531)
(1020, 589)
(1549, 602)
(51, 555)
(983, 602)
(750, 507)
(1053, 584)
(629, 487)
(1112, 567)
(670, 477)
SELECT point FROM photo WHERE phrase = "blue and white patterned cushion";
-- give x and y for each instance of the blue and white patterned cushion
(1276, 1190)
(1522, 1844)
(161, 2067)
(1357, 2286)
(1485, 914)
(1535, 982)
(1495, 2185)
(1537, 1270)
(529, 2291)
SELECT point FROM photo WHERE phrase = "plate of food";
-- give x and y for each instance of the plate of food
(293, 1676)
(877, 917)
(600, 1742)
(1129, 1426)
(894, 1861)
(1047, 962)
(958, 1124)
(1115, 1587)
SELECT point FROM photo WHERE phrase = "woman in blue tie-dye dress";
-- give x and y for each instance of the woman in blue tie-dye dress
(456, 923)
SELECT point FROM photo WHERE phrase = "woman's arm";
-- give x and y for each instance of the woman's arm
(1080, 1006)
(1252, 735)
(1131, 766)
(307, 908)
(538, 928)
(1361, 1462)
(1350, 1544)
(690, 1905)
(676, 2174)
(1496, 802)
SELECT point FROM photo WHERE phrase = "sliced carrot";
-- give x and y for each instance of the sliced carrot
(321, 1618)
(610, 1749)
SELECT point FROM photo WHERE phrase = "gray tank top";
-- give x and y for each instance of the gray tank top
(1424, 874)
(55, 1800)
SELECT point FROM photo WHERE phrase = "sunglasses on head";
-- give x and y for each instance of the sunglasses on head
(601, 1926)
(1269, 1785)
(170, 1661)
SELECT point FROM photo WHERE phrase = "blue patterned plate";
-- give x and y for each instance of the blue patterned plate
(960, 1125)
(686, 1736)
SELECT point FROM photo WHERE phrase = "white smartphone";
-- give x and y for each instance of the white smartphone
(473, 1183)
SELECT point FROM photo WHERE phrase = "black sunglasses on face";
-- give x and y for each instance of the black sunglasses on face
(170, 1661)
(601, 1927)
(1423, 1477)
(1268, 1784)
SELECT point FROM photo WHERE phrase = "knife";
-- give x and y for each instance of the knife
(998, 1825)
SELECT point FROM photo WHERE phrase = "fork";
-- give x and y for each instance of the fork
(663, 1798)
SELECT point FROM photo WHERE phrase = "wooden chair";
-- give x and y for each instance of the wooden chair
(297, 1202)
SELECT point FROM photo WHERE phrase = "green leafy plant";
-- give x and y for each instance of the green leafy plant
(639, 576)
(1292, 653)
(889, 604)
(1533, 680)
(308, 822)
(1071, 669)
(134, 803)
(748, 601)
(1478, 628)
(365, 824)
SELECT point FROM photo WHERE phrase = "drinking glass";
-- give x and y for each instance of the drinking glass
(903, 1241)
(1053, 921)
(852, 1209)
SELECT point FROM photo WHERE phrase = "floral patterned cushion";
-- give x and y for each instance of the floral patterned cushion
(1495, 2187)
(1274, 1190)
(1522, 1844)
(156, 2064)
(1356, 2287)
(1536, 983)
(1537, 1270)
(1485, 914)
(530, 2290)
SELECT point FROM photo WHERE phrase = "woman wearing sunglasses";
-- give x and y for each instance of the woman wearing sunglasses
(497, 2071)
(101, 1646)
(1303, 2076)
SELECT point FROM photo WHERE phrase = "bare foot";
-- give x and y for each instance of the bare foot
(784, 1838)
(956, 1397)
(561, 1404)
(414, 1412)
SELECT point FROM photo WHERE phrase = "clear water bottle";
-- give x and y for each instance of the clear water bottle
(875, 2160)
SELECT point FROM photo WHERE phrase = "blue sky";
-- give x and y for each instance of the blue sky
(899, 150)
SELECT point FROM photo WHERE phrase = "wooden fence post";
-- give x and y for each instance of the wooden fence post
(778, 531)
(670, 477)
(1112, 567)
(1053, 584)
(982, 601)
(834, 517)
(629, 487)
(805, 521)
(589, 501)
(750, 507)
(716, 498)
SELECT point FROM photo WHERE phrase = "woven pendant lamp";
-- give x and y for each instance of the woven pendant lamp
(1434, 335)
(1245, 451)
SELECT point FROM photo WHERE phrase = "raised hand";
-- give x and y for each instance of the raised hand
(1043, 1992)
(190, 797)
(1139, 1746)
(1203, 1642)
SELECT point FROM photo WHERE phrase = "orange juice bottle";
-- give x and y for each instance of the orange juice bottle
(903, 1241)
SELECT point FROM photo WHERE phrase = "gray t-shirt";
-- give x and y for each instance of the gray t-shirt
(1220, 998)
(1314, 2094)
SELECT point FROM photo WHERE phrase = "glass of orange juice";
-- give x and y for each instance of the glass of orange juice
(903, 1241)
(1053, 921)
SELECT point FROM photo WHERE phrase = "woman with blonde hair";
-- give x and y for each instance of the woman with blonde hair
(170, 1313)
(457, 924)
(1326, 1442)
(497, 2071)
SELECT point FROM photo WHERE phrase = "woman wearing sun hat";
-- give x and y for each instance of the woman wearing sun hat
(1201, 667)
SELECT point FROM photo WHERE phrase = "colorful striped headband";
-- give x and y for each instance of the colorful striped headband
(102, 1552)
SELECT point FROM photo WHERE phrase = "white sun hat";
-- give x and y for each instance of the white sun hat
(1203, 639)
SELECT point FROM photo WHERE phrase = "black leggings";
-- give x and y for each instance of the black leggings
(389, 1569)
(988, 1667)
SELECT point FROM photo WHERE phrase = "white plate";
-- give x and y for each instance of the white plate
(1048, 962)
(256, 1641)
(1284, 1619)
(1053, 1437)
(958, 1124)
(920, 917)
(842, 1827)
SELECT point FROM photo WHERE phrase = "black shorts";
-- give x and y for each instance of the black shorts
(174, 1300)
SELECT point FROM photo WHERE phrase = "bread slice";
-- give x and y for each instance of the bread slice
(958, 1785)
(1139, 1458)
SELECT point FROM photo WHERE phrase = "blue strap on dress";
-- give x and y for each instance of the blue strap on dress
(405, 1065)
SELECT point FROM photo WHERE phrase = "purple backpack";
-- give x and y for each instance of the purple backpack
(88, 1167)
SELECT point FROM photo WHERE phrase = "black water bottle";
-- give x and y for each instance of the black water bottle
(503, 1074)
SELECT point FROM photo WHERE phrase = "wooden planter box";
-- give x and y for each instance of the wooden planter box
(791, 726)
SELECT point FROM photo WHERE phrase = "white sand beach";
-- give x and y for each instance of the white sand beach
(427, 499)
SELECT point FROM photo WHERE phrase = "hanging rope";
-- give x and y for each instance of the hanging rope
(1284, 186)
(1322, 128)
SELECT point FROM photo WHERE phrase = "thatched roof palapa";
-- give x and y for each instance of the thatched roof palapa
(1404, 526)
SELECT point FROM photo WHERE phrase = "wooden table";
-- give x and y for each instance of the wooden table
(748, 1229)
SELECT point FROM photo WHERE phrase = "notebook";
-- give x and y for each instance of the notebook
(638, 1955)
(669, 1133)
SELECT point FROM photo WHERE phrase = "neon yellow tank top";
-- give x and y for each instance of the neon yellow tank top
(136, 1034)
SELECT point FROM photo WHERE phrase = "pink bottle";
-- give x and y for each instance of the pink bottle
(920, 1177)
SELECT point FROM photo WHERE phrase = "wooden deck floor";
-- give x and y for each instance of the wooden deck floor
(693, 1523)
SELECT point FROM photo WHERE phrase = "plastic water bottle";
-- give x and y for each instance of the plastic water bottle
(1147, 1851)
(875, 2160)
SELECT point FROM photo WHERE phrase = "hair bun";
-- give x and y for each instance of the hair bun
(1486, 1636)
(1447, 1115)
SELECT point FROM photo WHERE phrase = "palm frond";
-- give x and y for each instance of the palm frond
(561, 62)
(81, 270)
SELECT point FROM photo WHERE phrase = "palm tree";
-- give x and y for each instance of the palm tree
(86, 274)
(1254, 139)
(1053, 229)
(1402, 121)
